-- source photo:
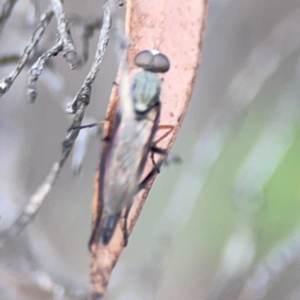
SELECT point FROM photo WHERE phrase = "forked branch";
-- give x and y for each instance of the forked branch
(81, 100)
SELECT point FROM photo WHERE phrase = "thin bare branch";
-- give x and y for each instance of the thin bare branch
(84, 94)
(37, 199)
(7, 82)
(87, 34)
(33, 13)
(35, 72)
(58, 87)
(37, 68)
(69, 50)
(9, 59)
(88, 27)
(82, 142)
(6, 9)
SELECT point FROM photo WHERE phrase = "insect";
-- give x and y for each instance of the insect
(125, 154)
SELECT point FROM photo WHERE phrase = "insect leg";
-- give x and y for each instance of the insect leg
(98, 201)
(86, 126)
(154, 171)
(160, 127)
(125, 231)
(157, 149)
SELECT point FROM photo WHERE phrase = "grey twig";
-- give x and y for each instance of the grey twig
(9, 59)
(59, 89)
(33, 12)
(87, 34)
(37, 69)
(14, 58)
(7, 82)
(69, 50)
(6, 9)
(36, 200)
(84, 94)
(88, 27)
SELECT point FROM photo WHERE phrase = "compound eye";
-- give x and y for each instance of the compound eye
(143, 59)
(161, 63)
(152, 61)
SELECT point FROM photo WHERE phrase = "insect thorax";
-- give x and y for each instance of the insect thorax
(145, 91)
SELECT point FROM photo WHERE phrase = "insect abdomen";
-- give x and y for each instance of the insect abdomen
(108, 228)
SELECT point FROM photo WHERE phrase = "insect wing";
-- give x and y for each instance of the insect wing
(122, 170)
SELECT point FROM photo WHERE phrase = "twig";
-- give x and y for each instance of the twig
(58, 87)
(33, 17)
(5, 12)
(9, 59)
(82, 142)
(88, 32)
(37, 69)
(37, 199)
(84, 94)
(14, 58)
(88, 28)
(33, 12)
(7, 82)
(69, 50)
